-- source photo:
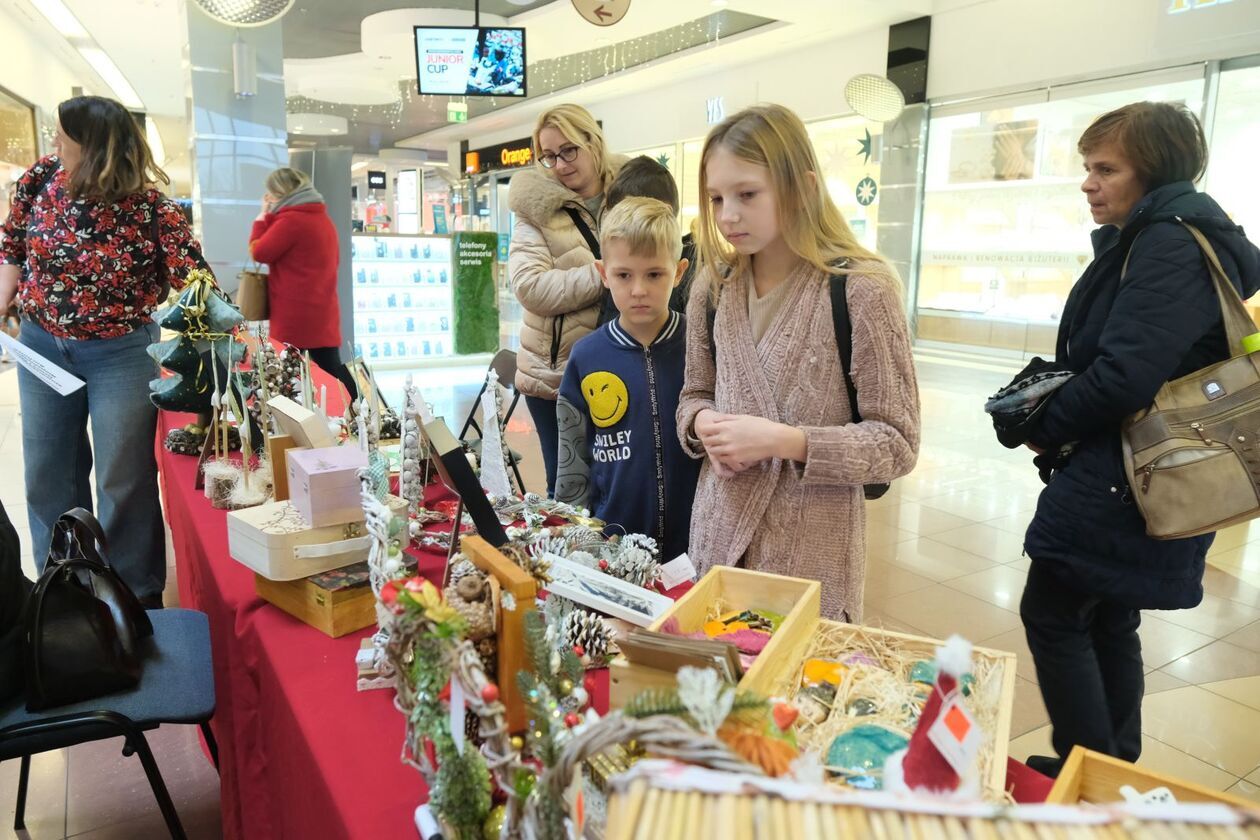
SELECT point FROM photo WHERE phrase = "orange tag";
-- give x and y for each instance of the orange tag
(956, 735)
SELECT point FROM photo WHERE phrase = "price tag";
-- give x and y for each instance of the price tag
(677, 571)
(459, 711)
(956, 735)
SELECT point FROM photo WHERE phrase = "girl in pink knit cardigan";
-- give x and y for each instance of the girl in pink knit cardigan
(781, 487)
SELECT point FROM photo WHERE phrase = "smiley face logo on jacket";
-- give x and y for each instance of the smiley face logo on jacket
(606, 397)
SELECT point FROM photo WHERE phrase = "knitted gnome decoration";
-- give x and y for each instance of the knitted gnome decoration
(921, 767)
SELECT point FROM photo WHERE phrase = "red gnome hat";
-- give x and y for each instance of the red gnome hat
(921, 767)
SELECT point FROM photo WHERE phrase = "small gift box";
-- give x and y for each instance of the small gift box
(324, 484)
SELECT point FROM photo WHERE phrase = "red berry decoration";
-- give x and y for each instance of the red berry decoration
(579, 650)
(571, 720)
(490, 693)
(603, 565)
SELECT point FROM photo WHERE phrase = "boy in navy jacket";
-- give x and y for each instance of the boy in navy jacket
(618, 453)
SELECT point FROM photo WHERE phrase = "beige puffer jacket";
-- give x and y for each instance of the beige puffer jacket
(552, 272)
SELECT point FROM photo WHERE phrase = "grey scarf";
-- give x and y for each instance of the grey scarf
(302, 195)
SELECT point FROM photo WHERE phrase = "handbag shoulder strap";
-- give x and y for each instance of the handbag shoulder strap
(82, 527)
(1238, 322)
(584, 229)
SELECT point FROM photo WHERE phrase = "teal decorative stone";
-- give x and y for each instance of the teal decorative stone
(923, 672)
(863, 749)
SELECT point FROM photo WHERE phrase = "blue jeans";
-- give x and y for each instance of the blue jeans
(543, 413)
(59, 457)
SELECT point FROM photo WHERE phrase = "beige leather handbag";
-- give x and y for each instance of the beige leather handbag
(251, 294)
(1193, 456)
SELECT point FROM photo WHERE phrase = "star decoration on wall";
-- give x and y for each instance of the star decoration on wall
(663, 159)
(865, 143)
(866, 192)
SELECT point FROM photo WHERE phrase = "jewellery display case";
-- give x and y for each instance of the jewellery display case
(402, 297)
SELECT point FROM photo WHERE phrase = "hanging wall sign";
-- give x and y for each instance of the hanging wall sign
(376, 180)
(602, 12)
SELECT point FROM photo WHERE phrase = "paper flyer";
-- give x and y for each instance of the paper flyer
(50, 374)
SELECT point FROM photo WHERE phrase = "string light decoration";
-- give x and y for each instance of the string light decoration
(546, 76)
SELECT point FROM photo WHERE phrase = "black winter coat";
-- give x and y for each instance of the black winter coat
(1124, 341)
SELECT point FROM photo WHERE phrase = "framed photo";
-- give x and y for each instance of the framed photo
(604, 593)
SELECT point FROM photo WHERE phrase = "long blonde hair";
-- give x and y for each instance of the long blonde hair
(578, 127)
(809, 221)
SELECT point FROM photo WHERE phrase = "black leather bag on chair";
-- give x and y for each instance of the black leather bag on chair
(82, 625)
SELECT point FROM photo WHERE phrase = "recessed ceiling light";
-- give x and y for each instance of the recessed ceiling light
(520, 2)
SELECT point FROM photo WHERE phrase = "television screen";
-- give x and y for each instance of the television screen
(470, 61)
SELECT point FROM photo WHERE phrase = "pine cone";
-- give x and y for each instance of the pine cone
(585, 628)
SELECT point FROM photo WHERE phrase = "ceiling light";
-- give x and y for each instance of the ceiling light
(62, 19)
(107, 70)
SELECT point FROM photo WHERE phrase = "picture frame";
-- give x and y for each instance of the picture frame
(604, 593)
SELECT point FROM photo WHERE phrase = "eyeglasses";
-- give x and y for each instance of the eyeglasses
(568, 154)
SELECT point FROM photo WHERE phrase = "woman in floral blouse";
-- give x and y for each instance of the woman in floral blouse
(89, 250)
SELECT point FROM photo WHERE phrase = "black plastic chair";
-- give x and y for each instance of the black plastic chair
(504, 364)
(176, 686)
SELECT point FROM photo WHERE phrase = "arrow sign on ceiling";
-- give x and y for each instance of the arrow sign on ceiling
(602, 12)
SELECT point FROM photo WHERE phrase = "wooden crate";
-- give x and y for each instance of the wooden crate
(1002, 664)
(330, 602)
(794, 598)
(1088, 776)
(512, 656)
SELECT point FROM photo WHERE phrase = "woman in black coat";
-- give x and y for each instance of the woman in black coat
(1093, 567)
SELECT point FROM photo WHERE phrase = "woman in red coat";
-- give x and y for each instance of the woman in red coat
(295, 237)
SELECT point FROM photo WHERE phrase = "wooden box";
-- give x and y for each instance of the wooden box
(324, 484)
(995, 685)
(275, 541)
(335, 603)
(794, 598)
(512, 656)
(1088, 776)
(304, 426)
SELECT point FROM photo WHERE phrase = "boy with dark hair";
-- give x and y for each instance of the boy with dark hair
(643, 177)
(617, 453)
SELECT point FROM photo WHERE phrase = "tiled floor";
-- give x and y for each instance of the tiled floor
(944, 557)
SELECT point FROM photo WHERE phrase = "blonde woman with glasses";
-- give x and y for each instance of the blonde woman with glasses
(551, 263)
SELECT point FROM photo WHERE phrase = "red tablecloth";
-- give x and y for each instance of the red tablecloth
(302, 752)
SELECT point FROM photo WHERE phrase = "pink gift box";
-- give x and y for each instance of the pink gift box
(324, 484)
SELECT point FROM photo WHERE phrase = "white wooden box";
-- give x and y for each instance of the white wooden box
(324, 484)
(275, 541)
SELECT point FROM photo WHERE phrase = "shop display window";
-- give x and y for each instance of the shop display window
(402, 297)
(1235, 139)
(1005, 226)
(18, 149)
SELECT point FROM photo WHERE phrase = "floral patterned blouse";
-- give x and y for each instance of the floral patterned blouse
(88, 266)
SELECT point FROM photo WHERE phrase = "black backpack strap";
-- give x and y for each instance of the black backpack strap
(844, 338)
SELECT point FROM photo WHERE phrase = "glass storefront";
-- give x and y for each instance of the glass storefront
(1235, 139)
(1005, 226)
(18, 149)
